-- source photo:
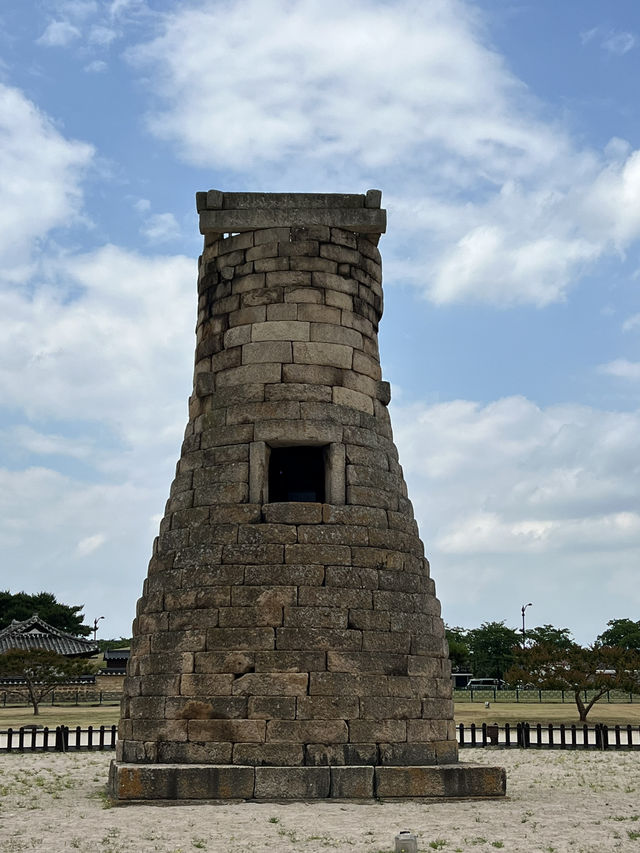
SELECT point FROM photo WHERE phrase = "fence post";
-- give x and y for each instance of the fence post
(473, 734)
(461, 735)
(507, 735)
(484, 734)
(62, 739)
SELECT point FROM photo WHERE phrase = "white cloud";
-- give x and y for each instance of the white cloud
(160, 227)
(90, 544)
(45, 444)
(102, 35)
(50, 538)
(517, 503)
(631, 323)
(98, 66)
(59, 34)
(108, 339)
(41, 171)
(622, 368)
(76, 9)
(619, 43)
(500, 205)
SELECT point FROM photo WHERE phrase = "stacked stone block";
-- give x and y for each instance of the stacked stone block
(280, 635)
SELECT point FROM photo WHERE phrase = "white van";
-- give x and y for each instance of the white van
(485, 684)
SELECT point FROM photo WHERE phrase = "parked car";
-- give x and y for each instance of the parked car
(485, 684)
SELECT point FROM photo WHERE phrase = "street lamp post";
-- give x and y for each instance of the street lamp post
(524, 607)
(95, 627)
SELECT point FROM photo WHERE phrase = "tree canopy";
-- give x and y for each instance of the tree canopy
(459, 653)
(492, 648)
(595, 669)
(41, 670)
(559, 638)
(21, 606)
(624, 633)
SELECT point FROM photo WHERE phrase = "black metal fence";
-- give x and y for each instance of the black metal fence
(526, 736)
(522, 736)
(533, 695)
(60, 739)
(9, 699)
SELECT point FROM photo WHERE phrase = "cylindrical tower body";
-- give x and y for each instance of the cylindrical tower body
(288, 628)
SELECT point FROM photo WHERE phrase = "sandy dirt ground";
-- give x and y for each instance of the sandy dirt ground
(557, 801)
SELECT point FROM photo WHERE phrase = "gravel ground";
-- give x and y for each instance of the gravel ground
(556, 801)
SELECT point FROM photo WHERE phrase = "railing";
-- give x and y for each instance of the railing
(526, 736)
(522, 735)
(529, 695)
(64, 697)
(60, 739)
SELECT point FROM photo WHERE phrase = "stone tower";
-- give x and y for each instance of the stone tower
(288, 641)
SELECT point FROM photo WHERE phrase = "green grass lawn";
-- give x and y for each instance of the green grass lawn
(465, 712)
(513, 712)
(68, 715)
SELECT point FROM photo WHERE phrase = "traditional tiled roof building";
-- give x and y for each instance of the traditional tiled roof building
(35, 633)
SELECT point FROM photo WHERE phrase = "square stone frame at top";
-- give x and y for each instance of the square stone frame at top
(334, 469)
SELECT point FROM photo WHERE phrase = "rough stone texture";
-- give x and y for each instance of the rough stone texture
(290, 636)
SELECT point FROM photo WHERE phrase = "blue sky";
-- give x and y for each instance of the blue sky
(505, 136)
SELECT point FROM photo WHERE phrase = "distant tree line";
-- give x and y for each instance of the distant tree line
(549, 658)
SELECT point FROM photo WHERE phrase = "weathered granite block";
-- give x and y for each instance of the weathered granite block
(352, 782)
(292, 783)
(456, 780)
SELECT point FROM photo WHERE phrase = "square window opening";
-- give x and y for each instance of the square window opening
(297, 474)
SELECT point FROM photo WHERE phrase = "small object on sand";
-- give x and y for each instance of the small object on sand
(487, 704)
(406, 842)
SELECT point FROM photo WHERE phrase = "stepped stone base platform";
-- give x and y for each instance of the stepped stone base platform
(184, 782)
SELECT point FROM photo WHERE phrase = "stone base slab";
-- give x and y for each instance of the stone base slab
(180, 782)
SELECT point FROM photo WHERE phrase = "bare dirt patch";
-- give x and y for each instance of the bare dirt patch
(557, 801)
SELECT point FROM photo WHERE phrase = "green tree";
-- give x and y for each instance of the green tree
(624, 633)
(547, 635)
(105, 645)
(492, 648)
(459, 653)
(595, 669)
(41, 671)
(21, 606)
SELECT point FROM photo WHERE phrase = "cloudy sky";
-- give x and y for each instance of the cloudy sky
(505, 135)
